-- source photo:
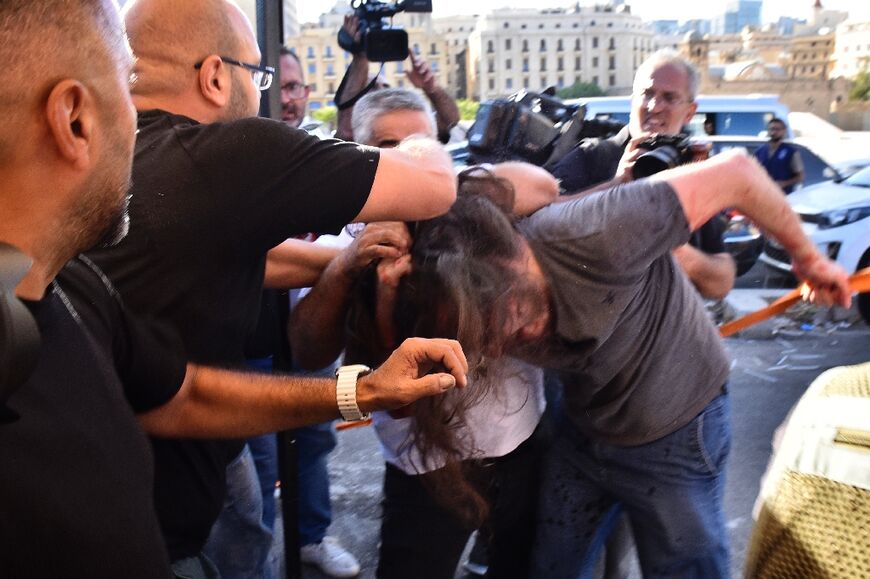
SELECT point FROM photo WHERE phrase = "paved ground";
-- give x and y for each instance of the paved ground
(772, 365)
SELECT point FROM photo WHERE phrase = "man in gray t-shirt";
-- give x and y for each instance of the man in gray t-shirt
(589, 288)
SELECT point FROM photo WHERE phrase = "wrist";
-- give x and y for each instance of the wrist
(347, 392)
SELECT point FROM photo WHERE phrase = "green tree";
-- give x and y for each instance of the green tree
(860, 91)
(326, 115)
(467, 109)
(580, 89)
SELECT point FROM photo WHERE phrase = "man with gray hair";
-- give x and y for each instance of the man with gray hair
(383, 118)
(663, 102)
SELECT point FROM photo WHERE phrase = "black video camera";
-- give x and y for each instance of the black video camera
(662, 152)
(526, 126)
(381, 41)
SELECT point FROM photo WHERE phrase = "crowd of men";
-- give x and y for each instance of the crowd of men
(156, 211)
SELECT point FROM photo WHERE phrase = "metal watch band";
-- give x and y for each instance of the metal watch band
(345, 391)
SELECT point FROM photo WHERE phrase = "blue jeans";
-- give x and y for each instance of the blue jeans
(239, 543)
(671, 489)
(314, 443)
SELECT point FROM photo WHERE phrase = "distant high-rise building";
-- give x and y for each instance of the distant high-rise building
(291, 19)
(738, 14)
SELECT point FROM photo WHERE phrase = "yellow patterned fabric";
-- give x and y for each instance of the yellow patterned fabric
(814, 519)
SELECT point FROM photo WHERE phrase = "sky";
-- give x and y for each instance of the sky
(309, 10)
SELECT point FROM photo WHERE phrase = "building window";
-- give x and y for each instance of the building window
(492, 84)
(313, 86)
(576, 44)
(612, 80)
(577, 61)
(507, 43)
(525, 65)
(330, 70)
(561, 82)
(433, 48)
(507, 64)
(543, 82)
(523, 26)
(543, 63)
(417, 49)
(509, 84)
(525, 45)
(540, 26)
(559, 46)
(507, 24)
(560, 64)
(327, 52)
(594, 42)
(490, 65)
(611, 65)
(595, 79)
(594, 62)
(433, 66)
(312, 68)
(612, 45)
(330, 88)
(489, 47)
(526, 82)
(575, 25)
(543, 45)
(310, 52)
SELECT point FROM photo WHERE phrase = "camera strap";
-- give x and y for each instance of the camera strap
(353, 100)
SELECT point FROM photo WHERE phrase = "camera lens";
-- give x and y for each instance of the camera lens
(655, 161)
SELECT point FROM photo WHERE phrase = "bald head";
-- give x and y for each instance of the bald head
(43, 42)
(168, 37)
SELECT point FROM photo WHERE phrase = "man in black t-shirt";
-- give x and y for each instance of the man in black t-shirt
(214, 188)
(76, 490)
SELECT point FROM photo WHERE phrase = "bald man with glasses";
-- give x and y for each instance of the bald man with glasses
(215, 188)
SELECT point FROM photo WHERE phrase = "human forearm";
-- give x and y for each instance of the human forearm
(796, 180)
(316, 326)
(733, 180)
(712, 274)
(296, 263)
(216, 403)
(446, 110)
(356, 79)
(534, 187)
(413, 181)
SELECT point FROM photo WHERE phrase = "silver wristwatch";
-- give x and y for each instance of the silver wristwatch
(345, 391)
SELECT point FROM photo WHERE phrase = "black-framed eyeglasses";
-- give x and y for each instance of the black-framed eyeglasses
(294, 90)
(262, 74)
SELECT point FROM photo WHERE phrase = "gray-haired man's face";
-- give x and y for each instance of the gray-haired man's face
(390, 129)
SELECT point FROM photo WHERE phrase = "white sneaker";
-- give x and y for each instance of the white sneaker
(330, 557)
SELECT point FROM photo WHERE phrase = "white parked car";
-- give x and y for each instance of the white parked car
(836, 216)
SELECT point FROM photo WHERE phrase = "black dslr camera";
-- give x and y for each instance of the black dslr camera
(381, 41)
(662, 152)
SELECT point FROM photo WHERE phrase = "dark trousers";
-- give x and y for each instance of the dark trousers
(423, 540)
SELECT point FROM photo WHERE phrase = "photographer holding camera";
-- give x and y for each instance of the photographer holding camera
(365, 36)
(665, 87)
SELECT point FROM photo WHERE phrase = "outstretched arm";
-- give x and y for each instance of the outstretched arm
(214, 403)
(296, 263)
(446, 111)
(356, 78)
(413, 181)
(732, 179)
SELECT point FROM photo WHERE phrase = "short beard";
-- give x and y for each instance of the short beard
(237, 107)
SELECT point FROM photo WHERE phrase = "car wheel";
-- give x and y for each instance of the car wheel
(864, 299)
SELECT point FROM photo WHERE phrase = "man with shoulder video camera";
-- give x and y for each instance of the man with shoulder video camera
(665, 87)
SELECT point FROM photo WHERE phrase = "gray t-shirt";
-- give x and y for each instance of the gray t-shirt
(635, 349)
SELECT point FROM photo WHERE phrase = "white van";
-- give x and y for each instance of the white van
(743, 115)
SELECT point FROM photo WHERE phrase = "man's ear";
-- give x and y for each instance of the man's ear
(71, 115)
(693, 108)
(214, 81)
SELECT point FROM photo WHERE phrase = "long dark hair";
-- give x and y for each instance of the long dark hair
(459, 288)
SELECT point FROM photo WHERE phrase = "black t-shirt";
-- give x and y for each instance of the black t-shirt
(208, 202)
(75, 493)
